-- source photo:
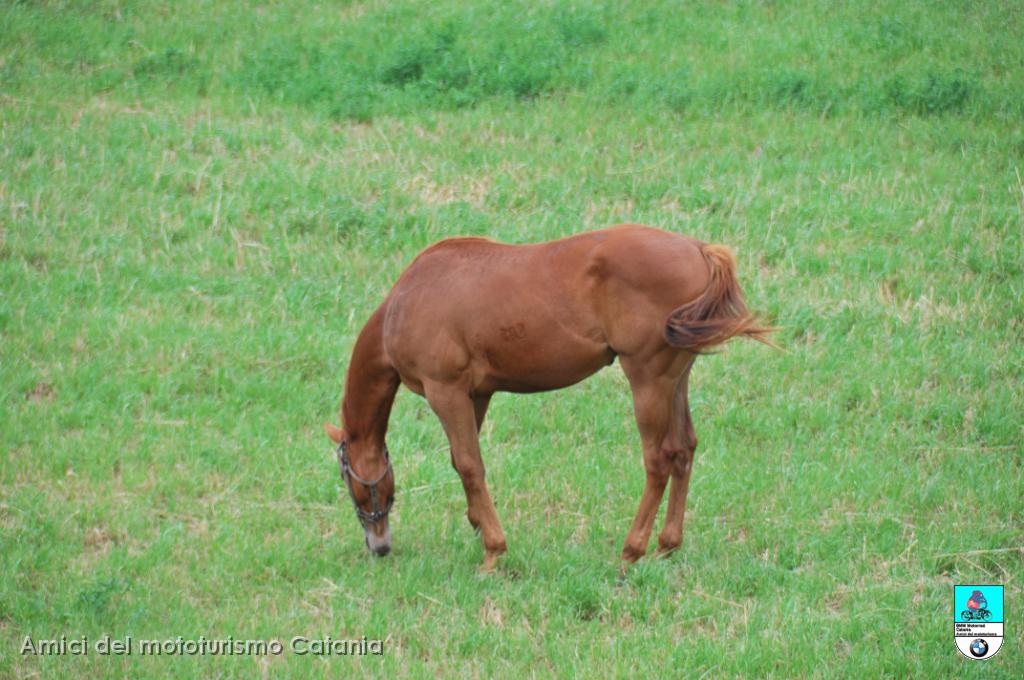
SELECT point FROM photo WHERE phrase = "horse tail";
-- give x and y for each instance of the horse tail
(718, 313)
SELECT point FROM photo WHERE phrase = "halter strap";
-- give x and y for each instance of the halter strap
(376, 513)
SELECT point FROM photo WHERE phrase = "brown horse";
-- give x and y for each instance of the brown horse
(471, 317)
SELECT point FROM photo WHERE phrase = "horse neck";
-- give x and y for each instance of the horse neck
(369, 388)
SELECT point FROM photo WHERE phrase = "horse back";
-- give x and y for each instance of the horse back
(538, 316)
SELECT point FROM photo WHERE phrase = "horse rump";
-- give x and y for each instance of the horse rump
(717, 314)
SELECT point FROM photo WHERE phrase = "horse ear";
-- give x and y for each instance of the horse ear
(335, 433)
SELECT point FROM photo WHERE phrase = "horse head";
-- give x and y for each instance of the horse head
(367, 473)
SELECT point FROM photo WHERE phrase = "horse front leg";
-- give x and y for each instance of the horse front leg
(480, 404)
(459, 416)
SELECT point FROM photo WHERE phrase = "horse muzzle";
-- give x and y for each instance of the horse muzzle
(378, 543)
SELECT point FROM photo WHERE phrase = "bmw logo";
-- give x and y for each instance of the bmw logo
(979, 648)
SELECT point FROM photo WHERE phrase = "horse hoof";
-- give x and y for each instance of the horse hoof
(666, 549)
(490, 563)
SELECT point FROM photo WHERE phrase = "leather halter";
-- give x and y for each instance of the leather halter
(376, 513)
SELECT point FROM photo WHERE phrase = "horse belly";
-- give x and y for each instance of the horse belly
(519, 363)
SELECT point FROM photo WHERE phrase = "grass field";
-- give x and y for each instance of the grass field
(201, 203)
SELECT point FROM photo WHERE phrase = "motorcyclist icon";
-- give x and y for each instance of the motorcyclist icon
(977, 608)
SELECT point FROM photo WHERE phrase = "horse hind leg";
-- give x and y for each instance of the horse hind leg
(683, 442)
(653, 384)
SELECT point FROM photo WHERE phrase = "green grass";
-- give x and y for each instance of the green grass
(201, 203)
